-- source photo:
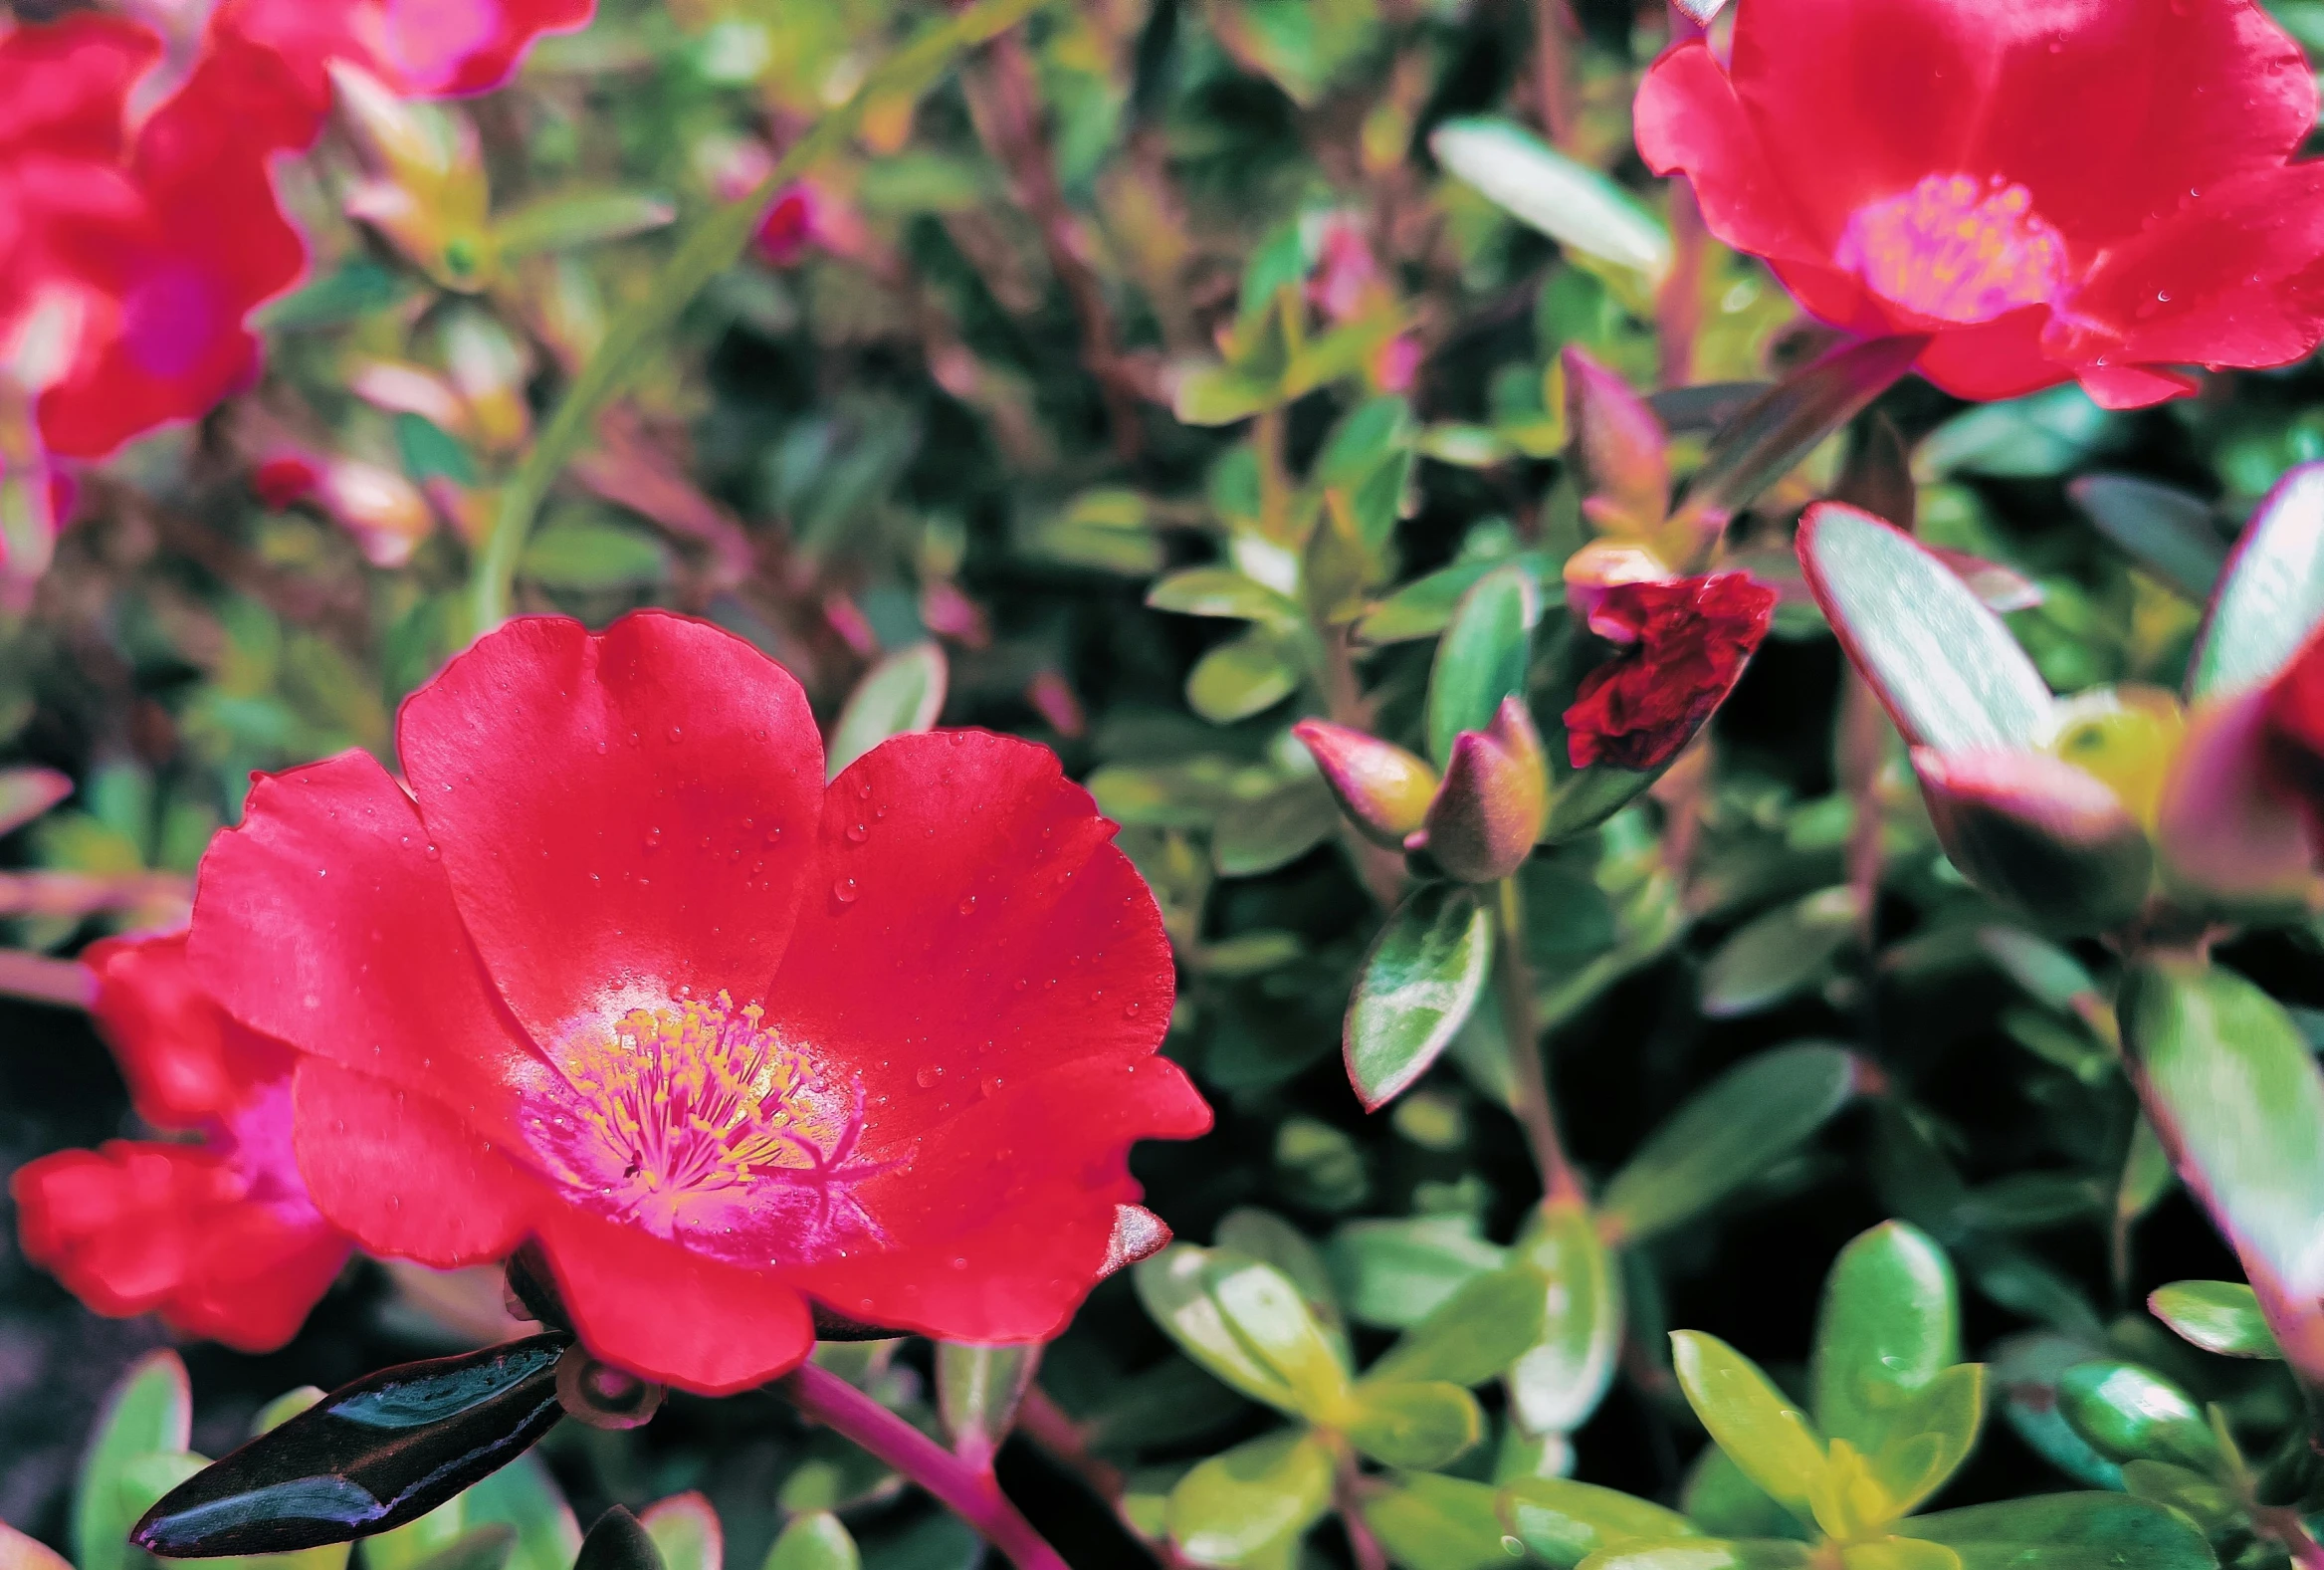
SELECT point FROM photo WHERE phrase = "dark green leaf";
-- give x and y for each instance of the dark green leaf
(2129, 1412)
(1396, 1274)
(1239, 678)
(1426, 972)
(2164, 530)
(1223, 593)
(1482, 657)
(585, 555)
(1274, 830)
(1476, 1333)
(1742, 1123)
(370, 1456)
(1780, 953)
(2022, 439)
(2066, 1532)
(1428, 1522)
(569, 220)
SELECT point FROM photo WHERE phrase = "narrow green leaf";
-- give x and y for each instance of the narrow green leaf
(1750, 1420)
(1423, 976)
(1430, 1523)
(1417, 1426)
(686, 1532)
(1562, 1522)
(149, 1412)
(2066, 1532)
(2273, 593)
(1561, 1379)
(524, 1497)
(1775, 955)
(814, 1541)
(1482, 657)
(1770, 435)
(1485, 1326)
(2218, 1316)
(1226, 594)
(569, 220)
(1219, 395)
(1396, 1274)
(1260, 1493)
(1239, 678)
(1570, 202)
(1738, 1126)
(586, 554)
(1890, 1324)
(2027, 438)
(1948, 670)
(978, 1389)
(1266, 1236)
(904, 693)
(2166, 530)
(1265, 1311)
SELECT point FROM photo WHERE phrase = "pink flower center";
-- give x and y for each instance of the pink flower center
(1956, 249)
(695, 1120)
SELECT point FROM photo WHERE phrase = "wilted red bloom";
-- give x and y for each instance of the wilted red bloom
(127, 263)
(618, 973)
(281, 481)
(2054, 189)
(1688, 639)
(220, 1235)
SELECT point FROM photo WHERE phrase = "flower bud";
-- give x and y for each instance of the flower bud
(1621, 446)
(1494, 801)
(2038, 834)
(1384, 789)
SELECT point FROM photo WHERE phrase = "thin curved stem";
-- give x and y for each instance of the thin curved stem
(1560, 1184)
(707, 250)
(968, 1493)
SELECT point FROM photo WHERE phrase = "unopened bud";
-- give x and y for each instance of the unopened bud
(2038, 834)
(1620, 445)
(1494, 801)
(1384, 789)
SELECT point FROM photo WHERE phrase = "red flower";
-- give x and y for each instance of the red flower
(220, 1237)
(618, 973)
(419, 48)
(1688, 641)
(285, 480)
(128, 264)
(2054, 190)
(2293, 728)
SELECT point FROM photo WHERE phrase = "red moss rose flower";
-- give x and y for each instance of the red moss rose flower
(1689, 639)
(618, 972)
(128, 260)
(2054, 190)
(220, 1237)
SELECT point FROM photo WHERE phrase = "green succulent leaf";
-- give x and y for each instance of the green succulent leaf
(2134, 1414)
(148, 1413)
(1223, 594)
(1703, 1554)
(1432, 1522)
(1416, 1426)
(902, 694)
(1482, 656)
(814, 1541)
(1560, 1380)
(1750, 1420)
(1423, 976)
(2218, 1316)
(2066, 1532)
(1562, 1522)
(1486, 1325)
(1890, 1325)
(1232, 1508)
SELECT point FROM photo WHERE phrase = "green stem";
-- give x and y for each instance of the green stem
(1560, 1184)
(708, 248)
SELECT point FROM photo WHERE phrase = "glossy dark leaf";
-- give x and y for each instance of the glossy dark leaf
(1424, 974)
(367, 1458)
(619, 1542)
(2218, 1316)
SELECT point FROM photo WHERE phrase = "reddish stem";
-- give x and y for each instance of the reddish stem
(975, 1498)
(1553, 70)
(40, 979)
(1047, 1425)
(1678, 304)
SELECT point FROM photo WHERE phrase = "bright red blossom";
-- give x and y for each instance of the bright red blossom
(2052, 189)
(618, 972)
(1687, 642)
(128, 258)
(219, 1236)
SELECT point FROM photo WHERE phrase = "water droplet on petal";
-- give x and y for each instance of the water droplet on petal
(857, 833)
(844, 891)
(968, 904)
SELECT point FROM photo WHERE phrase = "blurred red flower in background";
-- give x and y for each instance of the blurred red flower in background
(218, 1235)
(2054, 190)
(1688, 640)
(618, 973)
(127, 260)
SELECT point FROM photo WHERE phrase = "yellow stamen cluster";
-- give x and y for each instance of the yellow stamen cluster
(1956, 249)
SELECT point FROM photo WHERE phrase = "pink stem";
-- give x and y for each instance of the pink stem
(976, 1499)
(1678, 306)
(40, 979)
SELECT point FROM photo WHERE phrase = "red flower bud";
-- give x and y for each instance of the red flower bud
(1384, 789)
(283, 481)
(1494, 801)
(1689, 639)
(1620, 445)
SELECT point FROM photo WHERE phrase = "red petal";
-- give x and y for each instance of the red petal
(998, 1224)
(186, 1059)
(134, 1228)
(632, 809)
(2001, 358)
(403, 1175)
(434, 48)
(971, 921)
(669, 1314)
(63, 86)
(325, 921)
(1689, 120)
